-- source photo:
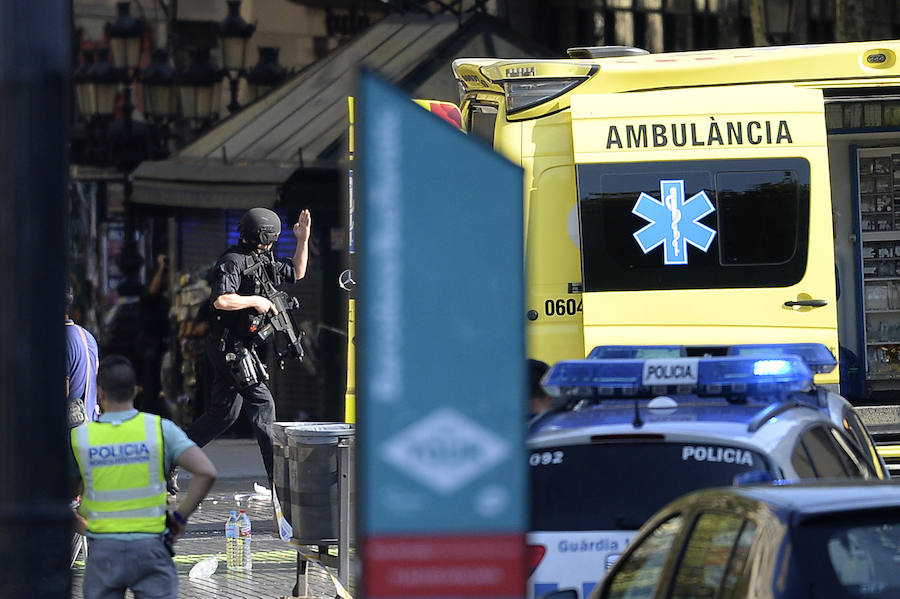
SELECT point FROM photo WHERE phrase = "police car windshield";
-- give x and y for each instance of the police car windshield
(617, 486)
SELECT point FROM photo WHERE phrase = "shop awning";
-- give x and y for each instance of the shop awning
(245, 159)
(205, 184)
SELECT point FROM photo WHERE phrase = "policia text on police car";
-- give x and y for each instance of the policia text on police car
(246, 312)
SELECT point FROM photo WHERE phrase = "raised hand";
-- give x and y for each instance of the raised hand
(302, 226)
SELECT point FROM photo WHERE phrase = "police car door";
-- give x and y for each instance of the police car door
(705, 216)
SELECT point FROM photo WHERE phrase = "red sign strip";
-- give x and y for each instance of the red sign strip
(469, 565)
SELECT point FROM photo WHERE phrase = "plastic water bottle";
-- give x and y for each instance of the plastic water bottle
(244, 536)
(231, 542)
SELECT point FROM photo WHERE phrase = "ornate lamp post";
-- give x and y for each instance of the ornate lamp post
(96, 83)
(779, 20)
(234, 34)
(125, 38)
(81, 82)
(160, 100)
(158, 88)
(266, 75)
(199, 89)
(101, 87)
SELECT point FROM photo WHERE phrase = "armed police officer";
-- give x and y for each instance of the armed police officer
(244, 305)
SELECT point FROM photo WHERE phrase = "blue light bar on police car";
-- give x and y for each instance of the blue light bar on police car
(816, 355)
(637, 352)
(724, 375)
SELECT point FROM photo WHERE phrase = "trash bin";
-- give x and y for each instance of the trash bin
(280, 469)
(313, 462)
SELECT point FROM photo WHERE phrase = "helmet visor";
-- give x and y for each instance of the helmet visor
(268, 234)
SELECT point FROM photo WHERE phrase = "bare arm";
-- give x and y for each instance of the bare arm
(194, 461)
(301, 254)
(233, 301)
(156, 283)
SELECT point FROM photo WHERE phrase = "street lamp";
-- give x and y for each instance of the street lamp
(199, 88)
(779, 20)
(235, 32)
(84, 94)
(102, 83)
(266, 75)
(125, 37)
(96, 83)
(125, 40)
(158, 88)
(160, 100)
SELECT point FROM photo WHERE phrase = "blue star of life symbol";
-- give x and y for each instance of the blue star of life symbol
(673, 221)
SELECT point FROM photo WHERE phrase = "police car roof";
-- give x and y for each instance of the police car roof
(712, 419)
(686, 408)
(806, 499)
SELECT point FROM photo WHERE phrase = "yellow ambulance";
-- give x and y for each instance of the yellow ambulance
(706, 198)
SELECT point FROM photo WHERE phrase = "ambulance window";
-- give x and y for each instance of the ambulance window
(482, 118)
(722, 223)
(757, 217)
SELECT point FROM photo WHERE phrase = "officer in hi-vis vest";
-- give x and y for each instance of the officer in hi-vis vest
(122, 460)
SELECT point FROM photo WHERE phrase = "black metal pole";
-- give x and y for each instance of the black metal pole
(128, 210)
(233, 106)
(128, 138)
(127, 107)
(35, 519)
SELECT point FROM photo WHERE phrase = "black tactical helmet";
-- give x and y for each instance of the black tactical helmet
(260, 225)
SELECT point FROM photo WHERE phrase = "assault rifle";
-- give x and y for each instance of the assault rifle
(287, 337)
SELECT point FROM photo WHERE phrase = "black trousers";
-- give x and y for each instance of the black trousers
(225, 407)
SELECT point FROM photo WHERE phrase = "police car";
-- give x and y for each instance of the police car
(823, 539)
(816, 355)
(636, 427)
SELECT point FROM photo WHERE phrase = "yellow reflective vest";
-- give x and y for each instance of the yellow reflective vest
(121, 464)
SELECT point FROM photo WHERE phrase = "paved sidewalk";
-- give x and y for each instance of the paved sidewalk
(274, 571)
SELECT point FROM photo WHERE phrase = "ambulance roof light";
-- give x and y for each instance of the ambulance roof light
(604, 51)
(816, 355)
(725, 375)
(638, 351)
